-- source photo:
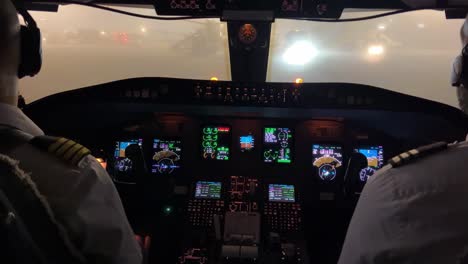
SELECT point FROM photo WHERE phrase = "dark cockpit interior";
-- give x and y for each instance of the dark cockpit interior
(243, 171)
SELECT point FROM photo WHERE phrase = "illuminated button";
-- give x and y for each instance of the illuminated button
(272, 99)
(208, 96)
(253, 98)
(228, 98)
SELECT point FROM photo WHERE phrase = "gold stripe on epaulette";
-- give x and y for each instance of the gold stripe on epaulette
(72, 151)
(66, 146)
(414, 152)
(52, 148)
(80, 155)
(396, 159)
(404, 155)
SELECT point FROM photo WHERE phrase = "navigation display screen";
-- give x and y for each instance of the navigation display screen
(375, 161)
(327, 158)
(166, 156)
(277, 143)
(281, 193)
(216, 141)
(122, 163)
(208, 190)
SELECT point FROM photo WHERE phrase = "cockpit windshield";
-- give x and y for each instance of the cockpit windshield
(411, 53)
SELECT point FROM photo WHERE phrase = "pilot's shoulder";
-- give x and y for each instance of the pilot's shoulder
(416, 154)
(64, 149)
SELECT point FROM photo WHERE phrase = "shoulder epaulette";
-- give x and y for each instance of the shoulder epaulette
(65, 149)
(411, 155)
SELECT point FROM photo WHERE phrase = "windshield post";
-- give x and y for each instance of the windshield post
(249, 35)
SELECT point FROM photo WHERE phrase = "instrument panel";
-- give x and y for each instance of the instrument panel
(209, 172)
(220, 145)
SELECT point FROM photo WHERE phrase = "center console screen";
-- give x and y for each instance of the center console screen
(375, 161)
(247, 143)
(281, 193)
(167, 156)
(208, 190)
(327, 158)
(122, 163)
(216, 141)
(277, 144)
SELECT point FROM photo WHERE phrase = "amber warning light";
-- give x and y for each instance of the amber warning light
(102, 162)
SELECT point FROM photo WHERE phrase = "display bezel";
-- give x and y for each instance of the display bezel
(111, 167)
(282, 201)
(207, 198)
(200, 143)
(292, 145)
(152, 153)
(339, 170)
(368, 146)
(255, 143)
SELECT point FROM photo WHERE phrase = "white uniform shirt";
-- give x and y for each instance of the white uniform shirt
(416, 213)
(83, 198)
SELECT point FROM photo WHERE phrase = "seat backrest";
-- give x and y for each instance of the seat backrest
(16, 245)
(352, 184)
(29, 231)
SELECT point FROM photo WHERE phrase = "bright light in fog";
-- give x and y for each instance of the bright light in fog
(300, 53)
(421, 25)
(143, 29)
(381, 27)
(103, 33)
(375, 50)
(299, 80)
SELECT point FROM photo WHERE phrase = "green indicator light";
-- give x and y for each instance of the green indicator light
(284, 161)
(167, 210)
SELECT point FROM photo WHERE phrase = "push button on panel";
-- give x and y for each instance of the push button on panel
(201, 212)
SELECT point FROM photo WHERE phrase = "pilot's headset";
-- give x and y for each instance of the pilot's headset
(31, 46)
(459, 77)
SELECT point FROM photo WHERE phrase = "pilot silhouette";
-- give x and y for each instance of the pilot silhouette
(413, 210)
(78, 190)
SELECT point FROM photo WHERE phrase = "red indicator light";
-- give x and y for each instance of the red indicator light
(224, 129)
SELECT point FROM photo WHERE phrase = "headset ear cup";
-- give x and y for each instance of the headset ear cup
(22, 69)
(31, 52)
